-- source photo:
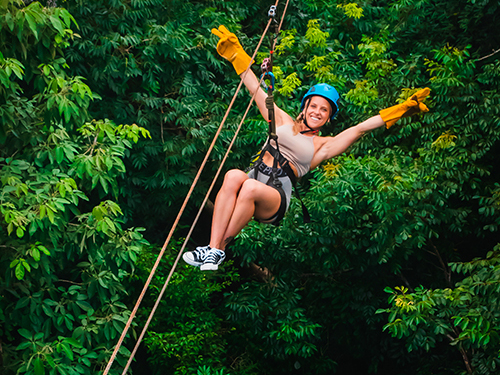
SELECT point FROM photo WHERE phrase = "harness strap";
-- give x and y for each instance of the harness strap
(285, 165)
(311, 130)
(278, 158)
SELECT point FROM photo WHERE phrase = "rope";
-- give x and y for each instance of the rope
(160, 296)
(181, 211)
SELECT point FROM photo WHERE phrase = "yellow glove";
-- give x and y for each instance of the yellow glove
(410, 107)
(230, 48)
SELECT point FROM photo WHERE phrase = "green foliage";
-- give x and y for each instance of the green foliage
(364, 93)
(314, 35)
(352, 10)
(373, 53)
(466, 316)
(272, 314)
(289, 84)
(203, 370)
(188, 333)
(398, 209)
(66, 254)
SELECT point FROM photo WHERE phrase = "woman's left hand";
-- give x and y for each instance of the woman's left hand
(411, 106)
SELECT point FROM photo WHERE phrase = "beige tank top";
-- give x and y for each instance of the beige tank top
(298, 149)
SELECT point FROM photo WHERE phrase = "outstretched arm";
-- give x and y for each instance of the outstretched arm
(230, 48)
(333, 146)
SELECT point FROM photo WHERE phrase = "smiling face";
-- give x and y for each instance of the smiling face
(318, 112)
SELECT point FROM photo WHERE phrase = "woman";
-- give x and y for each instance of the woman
(242, 197)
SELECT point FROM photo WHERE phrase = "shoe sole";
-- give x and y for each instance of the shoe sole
(209, 267)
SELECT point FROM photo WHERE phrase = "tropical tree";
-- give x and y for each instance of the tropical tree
(66, 250)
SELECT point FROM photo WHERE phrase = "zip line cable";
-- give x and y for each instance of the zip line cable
(160, 296)
(181, 211)
(160, 255)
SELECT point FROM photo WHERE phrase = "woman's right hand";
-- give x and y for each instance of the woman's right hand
(230, 48)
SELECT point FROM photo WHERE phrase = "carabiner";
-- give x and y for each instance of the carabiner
(271, 77)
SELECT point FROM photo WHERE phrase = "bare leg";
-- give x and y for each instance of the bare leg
(225, 203)
(253, 199)
(239, 199)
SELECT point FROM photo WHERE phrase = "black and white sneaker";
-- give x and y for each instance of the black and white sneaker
(197, 257)
(213, 258)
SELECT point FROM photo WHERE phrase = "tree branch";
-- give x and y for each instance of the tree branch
(446, 270)
(491, 54)
(466, 360)
(465, 357)
(406, 282)
(69, 282)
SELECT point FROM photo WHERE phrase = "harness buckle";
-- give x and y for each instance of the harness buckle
(277, 183)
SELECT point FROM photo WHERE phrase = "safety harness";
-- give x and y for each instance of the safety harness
(279, 161)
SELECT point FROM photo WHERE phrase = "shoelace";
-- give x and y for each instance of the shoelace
(213, 257)
(201, 252)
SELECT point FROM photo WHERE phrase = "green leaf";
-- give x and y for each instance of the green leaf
(23, 302)
(67, 350)
(19, 272)
(84, 305)
(39, 370)
(98, 212)
(392, 316)
(26, 265)
(31, 23)
(43, 210)
(35, 253)
(56, 22)
(59, 154)
(24, 345)
(50, 214)
(9, 20)
(43, 249)
(25, 333)
(48, 311)
(19, 232)
(73, 342)
(50, 360)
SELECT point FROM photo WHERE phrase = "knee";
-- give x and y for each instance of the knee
(234, 179)
(249, 189)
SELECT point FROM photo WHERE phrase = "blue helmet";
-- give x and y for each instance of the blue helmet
(325, 91)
